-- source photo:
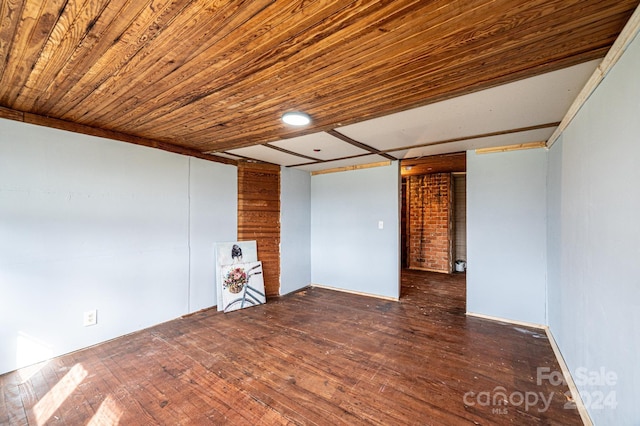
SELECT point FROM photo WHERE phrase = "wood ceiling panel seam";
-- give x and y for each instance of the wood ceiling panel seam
(262, 106)
(94, 42)
(30, 35)
(411, 71)
(176, 104)
(101, 35)
(140, 101)
(113, 60)
(9, 20)
(65, 36)
(361, 44)
(136, 85)
(247, 82)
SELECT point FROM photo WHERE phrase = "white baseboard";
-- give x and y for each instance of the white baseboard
(359, 293)
(508, 321)
(575, 394)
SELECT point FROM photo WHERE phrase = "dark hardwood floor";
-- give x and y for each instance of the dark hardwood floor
(314, 357)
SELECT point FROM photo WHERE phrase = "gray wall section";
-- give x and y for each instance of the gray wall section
(594, 234)
(88, 223)
(213, 201)
(295, 230)
(506, 235)
(460, 207)
(348, 251)
(554, 226)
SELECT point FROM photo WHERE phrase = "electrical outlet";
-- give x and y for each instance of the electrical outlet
(90, 318)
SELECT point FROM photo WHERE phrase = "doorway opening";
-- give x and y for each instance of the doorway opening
(433, 215)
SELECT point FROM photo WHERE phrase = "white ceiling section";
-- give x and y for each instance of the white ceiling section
(494, 117)
(329, 146)
(270, 155)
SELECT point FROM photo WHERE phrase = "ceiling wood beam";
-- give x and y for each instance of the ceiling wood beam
(479, 136)
(55, 123)
(286, 151)
(347, 139)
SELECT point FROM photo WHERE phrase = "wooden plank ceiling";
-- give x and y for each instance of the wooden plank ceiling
(209, 76)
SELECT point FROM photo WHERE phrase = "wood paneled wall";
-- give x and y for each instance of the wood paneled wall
(259, 217)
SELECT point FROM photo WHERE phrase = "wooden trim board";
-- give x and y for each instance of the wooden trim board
(516, 147)
(38, 120)
(349, 168)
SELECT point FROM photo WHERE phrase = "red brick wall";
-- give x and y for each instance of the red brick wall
(429, 228)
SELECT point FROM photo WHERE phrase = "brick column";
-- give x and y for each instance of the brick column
(429, 231)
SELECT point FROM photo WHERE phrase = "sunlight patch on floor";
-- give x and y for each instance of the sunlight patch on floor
(53, 399)
(108, 414)
(27, 373)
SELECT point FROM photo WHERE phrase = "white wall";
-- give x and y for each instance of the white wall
(348, 251)
(594, 250)
(213, 217)
(88, 223)
(295, 230)
(506, 235)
